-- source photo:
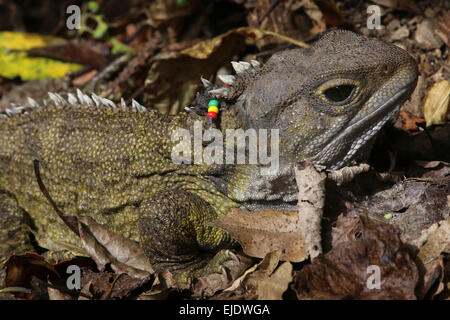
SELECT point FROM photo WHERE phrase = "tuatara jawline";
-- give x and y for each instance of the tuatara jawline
(114, 164)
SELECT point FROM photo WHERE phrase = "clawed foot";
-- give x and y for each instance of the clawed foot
(205, 267)
(216, 264)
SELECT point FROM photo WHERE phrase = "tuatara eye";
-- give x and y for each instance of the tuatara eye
(340, 94)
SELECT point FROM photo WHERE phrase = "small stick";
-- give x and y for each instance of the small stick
(272, 6)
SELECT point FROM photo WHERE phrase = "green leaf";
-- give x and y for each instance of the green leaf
(119, 47)
(18, 64)
(182, 3)
(25, 41)
(93, 6)
(15, 61)
(101, 29)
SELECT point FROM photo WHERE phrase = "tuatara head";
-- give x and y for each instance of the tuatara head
(328, 100)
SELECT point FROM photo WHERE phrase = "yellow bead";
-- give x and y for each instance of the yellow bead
(213, 109)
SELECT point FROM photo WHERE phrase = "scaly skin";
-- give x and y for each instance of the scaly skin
(115, 165)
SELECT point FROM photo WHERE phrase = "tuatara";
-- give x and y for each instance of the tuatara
(115, 163)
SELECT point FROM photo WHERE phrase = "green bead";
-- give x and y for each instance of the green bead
(182, 3)
(213, 103)
(388, 216)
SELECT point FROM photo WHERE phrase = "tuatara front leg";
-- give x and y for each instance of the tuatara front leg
(174, 234)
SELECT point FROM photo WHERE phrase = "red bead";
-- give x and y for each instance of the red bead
(212, 115)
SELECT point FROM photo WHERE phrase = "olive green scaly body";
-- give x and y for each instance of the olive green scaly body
(102, 164)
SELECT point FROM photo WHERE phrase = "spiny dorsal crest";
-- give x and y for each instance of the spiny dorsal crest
(234, 84)
(80, 100)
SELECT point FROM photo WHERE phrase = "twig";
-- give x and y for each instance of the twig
(272, 6)
(274, 50)
(141, 27)
(287, 39)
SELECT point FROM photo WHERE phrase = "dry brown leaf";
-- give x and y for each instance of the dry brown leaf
(267, 282)
(436, 106)
(20, 270)
(414, 104)
(55, 294)
(438, 242)
(84, 52)
(107, 285)
(343, 272)
(413, 205)
(331, 12)
(430, 256)
(442, 28)
(428, 164)
(400, 33)
(316, 16)
(106, 247)
(282, 17)
(409, 121)
(345, 229)
(84, 78)
(261, 232)
(425, 36)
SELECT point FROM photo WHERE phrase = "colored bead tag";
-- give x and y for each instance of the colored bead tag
(212, 115)
(388, 216)
(213, 103)
(213, 109)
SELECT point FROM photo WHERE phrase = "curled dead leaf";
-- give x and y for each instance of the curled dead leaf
(442, 28)
(104, 247)
(344, 272)
(261, 232)
(430, 255)
(269, 281)
(20, 270)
